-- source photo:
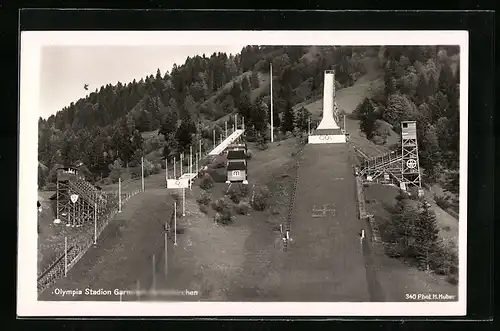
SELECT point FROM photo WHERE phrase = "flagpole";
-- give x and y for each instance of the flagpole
(183, 201)
(119, 195)
(95, 223)
(142, 172)
(65, 256)
(166, 254)
(175, 223)
(272, 117)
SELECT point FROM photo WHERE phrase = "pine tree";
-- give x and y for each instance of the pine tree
(288, 118)
(426, 235)
(422, 89)
(185, 132)
(430, 154)
(169, 124)
(368, 118)
(245, 84)
(399, 231)
(446, 79)
(254, 79)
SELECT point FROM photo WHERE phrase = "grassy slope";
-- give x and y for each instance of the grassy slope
(397, 273)
(207, 255)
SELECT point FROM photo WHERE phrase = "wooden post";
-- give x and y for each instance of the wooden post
(190, 159)
(142, 172)
(166, 255)
(95, 223)
(154, 274)
(214, 138)
(174, 168)
(182, 155)
(272, 117)
(183, 201)
(175, 223)
(65, 256)
(225, 127)
(119, 195)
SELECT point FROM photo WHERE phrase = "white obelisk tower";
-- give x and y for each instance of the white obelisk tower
(328, 130)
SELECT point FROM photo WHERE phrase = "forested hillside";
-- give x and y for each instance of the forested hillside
(421, 84)
(106, 130)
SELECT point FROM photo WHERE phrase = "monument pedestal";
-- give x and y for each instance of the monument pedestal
(327, 136)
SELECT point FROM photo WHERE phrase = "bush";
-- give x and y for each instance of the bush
(221, 205)
(219, 164)
(135, 172)
(249, 154)
(207, 182)
(445, 260)
(224, 218)
(237, 191)
(176, 197)
(442, 202)
(157, 168)
(242, 208)
(204, 209)
(204, 199)
(260, 199)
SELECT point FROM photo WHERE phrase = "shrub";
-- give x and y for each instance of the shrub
(204, 209)
(135, 172)
(242, 208)
(260, 199)
(219, 164)
(445, 260)
(204, 199)
(221, 205)
(224, 218)
(237, 191)
(176, 197)
(442, 202)
(158, 168)
(249, 154)
(207, 182)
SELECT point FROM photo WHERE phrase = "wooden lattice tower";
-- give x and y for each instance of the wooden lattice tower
(410, 168)
(77, 201)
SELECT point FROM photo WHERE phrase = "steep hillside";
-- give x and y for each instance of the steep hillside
(161, 116)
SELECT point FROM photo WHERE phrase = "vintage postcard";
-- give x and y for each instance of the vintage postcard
(243, 173)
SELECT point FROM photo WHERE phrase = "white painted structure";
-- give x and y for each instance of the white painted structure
(328, 130)
(328, 121)
(327, 139)
(226, 142)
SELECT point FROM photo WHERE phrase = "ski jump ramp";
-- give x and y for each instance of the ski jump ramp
(325, 261)
(225, 144)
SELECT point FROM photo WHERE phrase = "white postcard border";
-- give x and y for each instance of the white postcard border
(31, 44)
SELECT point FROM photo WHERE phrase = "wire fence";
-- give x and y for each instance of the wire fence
(80, 245)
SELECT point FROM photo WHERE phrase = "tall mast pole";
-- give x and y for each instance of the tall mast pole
(272, 117)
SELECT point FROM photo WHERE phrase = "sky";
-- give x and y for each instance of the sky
(66, 69)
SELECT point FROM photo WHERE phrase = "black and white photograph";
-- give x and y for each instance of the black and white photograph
(243, 172)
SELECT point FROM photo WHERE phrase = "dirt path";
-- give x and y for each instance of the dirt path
(123, 256)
